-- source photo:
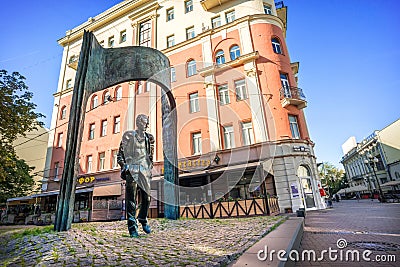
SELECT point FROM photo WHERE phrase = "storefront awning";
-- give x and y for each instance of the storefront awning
(358, 188)
(219, 170)
(107, 190)
(391, 183)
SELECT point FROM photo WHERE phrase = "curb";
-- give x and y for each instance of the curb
(286, 236)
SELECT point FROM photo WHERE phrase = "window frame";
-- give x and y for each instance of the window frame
(229, 135)
(68, 84)
(102, 161)
(168, 15)
(188, 6)
(223, 94)
(219, 22)
(145, 32)
(268, 8)
(294, 126)
(56, 171)
(170, 42)
(228, 18)
(236, 52)
(247, 132)
(194, 104)
(122, 36)
(191, 68)
(114, 161)
(92, 130)
(173, 74)
(95, 101)
(60, 139)
(89, 163)
(111, 41)
(196, 142)
(276, 45)
(63, 113)
(117, 124)
(118, 93)
(190, 30)
(103, 130)
(243, 91)
(220, 56)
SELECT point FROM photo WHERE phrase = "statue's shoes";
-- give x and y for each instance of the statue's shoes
(146, 228)
(134, 234)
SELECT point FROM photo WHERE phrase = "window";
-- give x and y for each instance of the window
(223, 94)
(56, 171)
(60, 140)
(294, 127)
(248, 135)
(117, 124)
(173, 75)
(230, 16)
(190, 33)
(72, 59)
(285, 85)
(267, 9)
(95, 101)
(276, 45)
(170, 41)
(102, 161)
(147, 87)
(111, 41)
(220, 57)
(170, 14)
(216, 22)
(118, 93)
(102, 43)
(106, 98)
(69, 84)
(229, 139)
(234, 52)
(241, 92)
(114, 162)
(191, 68)
(122, 36)
(89, 163)
(139, 87)
(91, 131)
(188, 6)
(63, 112)
(103, 128)
(196, 142)
(145, 34)
(194, 102)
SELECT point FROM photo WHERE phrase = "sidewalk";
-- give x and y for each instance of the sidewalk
(363, 225)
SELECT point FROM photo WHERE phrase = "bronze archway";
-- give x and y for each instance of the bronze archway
(98, 69)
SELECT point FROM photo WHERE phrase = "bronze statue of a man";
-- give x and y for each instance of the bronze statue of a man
(135, 156)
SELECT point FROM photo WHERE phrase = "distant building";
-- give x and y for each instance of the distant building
(374, 161)
(236, 92)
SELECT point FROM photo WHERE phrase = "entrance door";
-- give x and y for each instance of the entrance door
(304, 175)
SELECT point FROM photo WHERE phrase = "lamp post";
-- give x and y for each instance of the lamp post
(371, 162)
(367, 180)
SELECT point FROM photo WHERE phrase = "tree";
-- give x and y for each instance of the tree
(331, 177)
(18, 181)
(17, 117)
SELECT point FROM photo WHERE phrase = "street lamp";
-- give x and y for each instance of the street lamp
(368, 182)
(371, 162)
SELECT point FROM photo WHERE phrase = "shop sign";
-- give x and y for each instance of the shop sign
(91, 179)
(191, 164)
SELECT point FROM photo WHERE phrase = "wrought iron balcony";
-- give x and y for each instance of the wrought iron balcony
(290, 95)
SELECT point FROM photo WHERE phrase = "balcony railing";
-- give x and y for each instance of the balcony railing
(290, 95)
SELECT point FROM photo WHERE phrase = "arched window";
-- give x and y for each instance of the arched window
(234, 52)
(303, 171)
(191, 67)
(118, 93)
(95, 101)
(220, 57)
(63, 113)
(276, 45)
(106, 97)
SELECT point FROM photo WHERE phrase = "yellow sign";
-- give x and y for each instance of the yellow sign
(191, 164)
(86, 180)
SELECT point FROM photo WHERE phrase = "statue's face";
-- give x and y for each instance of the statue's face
(143, 124)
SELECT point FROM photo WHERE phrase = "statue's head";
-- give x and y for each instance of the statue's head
(142, 122)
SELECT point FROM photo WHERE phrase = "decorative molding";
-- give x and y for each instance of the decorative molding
(251, 72)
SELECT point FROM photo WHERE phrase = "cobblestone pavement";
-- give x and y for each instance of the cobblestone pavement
(172, 243)
(364, 225)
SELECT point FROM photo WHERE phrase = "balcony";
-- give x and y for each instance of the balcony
(208, 4)
(290, 95)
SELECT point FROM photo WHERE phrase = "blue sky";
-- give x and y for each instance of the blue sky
(348, 51)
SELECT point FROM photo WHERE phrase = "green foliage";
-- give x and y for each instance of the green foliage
(17, 117)
(331, 177)
(34, 231)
